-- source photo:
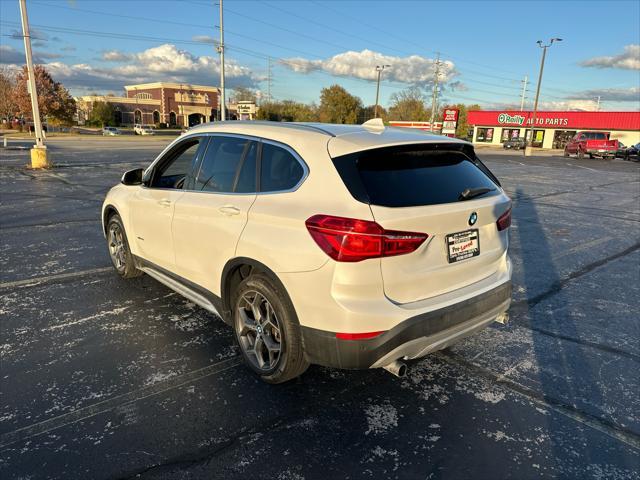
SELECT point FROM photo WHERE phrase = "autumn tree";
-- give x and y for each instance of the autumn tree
(408, 105)
(338, 106)
(8, 107)
(54, 101)
(102, 114)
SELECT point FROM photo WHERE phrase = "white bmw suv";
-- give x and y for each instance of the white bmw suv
(340, 245)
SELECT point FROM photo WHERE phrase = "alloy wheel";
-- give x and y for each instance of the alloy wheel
(259, 331)
(117, 249)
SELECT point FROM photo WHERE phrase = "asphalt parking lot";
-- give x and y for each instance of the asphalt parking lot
(104, 378)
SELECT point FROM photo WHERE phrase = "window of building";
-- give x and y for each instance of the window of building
(484, 135)
(156, 116)
(509, 134)
(143, 96)
(538, 138)
(562, 137)
(279, 169)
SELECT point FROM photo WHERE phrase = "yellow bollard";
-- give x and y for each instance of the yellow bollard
(39, 158)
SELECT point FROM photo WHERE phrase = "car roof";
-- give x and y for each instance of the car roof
(342, 139)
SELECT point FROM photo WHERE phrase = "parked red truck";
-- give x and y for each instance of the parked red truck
(594, 144)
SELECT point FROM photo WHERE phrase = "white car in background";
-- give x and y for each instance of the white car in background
(110, 132)
(340, 245)
(143, 130)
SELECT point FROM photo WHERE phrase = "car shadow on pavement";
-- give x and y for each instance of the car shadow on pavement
(565, 369)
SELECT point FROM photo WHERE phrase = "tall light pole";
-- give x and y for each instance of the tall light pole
(223, 114)
(524, 92)
(39, 152)
(379, 69)
(528, 148)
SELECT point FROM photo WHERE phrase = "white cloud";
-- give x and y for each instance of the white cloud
(629, 59)
(631, 94)
(204, 39)
(413, 69)
(162, 63)
(115, 56)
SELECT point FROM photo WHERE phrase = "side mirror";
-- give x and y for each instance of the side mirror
(132, 177)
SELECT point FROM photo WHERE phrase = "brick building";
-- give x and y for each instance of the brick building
(172, 104)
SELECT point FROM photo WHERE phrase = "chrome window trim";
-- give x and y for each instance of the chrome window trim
(186, 137)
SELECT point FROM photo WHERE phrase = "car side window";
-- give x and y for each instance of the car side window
(173, 171)
(246, 182)
(279, 169)
(219, 166)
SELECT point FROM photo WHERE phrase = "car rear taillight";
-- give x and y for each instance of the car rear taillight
(504, 221)
(351, 240)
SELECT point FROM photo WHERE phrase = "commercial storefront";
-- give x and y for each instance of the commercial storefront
(551, 129)
(172, 104)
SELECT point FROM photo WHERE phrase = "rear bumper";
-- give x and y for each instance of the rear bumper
(412, 338)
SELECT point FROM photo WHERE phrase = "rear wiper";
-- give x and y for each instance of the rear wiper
(469, 193)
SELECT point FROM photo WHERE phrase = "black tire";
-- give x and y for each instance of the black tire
(566, 153)
(290, 362)
(591, 155)
(119, 251)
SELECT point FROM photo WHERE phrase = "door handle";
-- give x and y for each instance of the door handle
(229, 210)
(164, 202)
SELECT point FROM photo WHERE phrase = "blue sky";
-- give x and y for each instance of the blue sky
(486, 47)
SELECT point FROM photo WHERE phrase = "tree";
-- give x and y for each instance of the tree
(8, 106)
(102, 113)
(242, 94)
(369, 112)
(408, 105)
(287, 111)
(338, 106)
(54, 100)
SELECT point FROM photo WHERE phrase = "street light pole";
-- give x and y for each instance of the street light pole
(39, 152)
(379, 69)
(223, 113)
(528, 148)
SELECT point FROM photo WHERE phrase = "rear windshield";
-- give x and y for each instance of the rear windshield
(413, 175)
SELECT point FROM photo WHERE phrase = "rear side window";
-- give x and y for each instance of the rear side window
(412, 175)
(220, 164)
(279, 169)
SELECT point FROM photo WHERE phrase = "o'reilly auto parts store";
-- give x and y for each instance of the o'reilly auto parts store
(552, 129)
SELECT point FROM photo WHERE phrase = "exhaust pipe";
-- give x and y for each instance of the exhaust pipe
(503, 318)
(397, 368)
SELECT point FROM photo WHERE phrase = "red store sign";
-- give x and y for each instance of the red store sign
(562, 120)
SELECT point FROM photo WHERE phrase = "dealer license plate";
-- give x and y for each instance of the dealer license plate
(463, 245)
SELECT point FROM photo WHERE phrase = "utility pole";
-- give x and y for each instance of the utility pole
(379, 69)
(524, 91)
(269, 78)
(528, 148)
(434, 96)
(222, 101)
(39, 152)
